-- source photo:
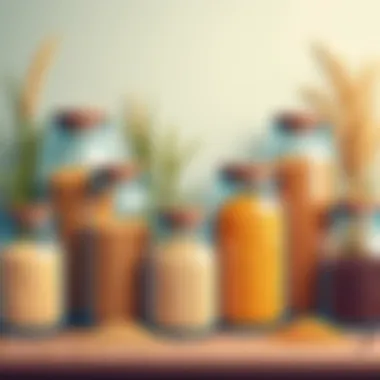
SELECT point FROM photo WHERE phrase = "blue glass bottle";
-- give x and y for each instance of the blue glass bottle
(182, 291)
(32, 274)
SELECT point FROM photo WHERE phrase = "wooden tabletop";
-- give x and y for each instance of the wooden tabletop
(132, 346)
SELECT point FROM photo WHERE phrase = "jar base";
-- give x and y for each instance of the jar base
(31, 331)
(183, 332)
(254, 326)
(81, 319)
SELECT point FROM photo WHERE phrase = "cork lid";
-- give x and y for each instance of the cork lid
(181, 217)
(31, 215)
(297, 121)
(356, 206)
(80, 118)
(110, 174)
(247, 171)
(348, 207)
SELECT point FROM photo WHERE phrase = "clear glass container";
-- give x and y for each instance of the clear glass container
(349, 279)
(79, 137)
(306, 170)
(32, 274)
(183, 298)
(250, 246)
(106, 254)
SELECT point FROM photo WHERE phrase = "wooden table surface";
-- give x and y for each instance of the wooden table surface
(131, 346)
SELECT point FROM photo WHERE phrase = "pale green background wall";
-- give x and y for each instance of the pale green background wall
(217, 68)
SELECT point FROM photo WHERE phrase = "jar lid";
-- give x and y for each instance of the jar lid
(180, 217)
(248, 171)
(31, 215)
(297, 121)
(355, 206)
(107, 175)
(349, 207)
(80, 118)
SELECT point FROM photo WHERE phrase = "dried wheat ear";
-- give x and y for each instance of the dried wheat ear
(36, 76)
(348, 106)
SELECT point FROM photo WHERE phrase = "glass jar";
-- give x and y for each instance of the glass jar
(350, 269)
(183, 276)
(79, 142)
(106, 253)
(32, 274)
(305, 164)
(249, 236)
(78, 137)
(70, 189)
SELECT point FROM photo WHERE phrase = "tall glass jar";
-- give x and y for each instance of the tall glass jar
(32, 274)
(306, 173)
(105, 257)
(249, 235)
(351, 266)
(183, 276)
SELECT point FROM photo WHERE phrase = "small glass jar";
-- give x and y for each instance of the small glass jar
(306, 170)
(78, 137)
(105, 256)
(32, 274)
(183, 300)
(250, 246)
(350, 267)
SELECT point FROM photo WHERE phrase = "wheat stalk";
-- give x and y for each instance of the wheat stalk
(350, 112)
(28, 137)
(164, 157)
(36, 76)
(138, 132)
(338, 75)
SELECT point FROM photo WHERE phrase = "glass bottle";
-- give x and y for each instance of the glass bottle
(79, 137)
(32, 274)
(305, 164)
(352, 264)
(79, 141)
(107, 252)
(183, 275)
(249, 236)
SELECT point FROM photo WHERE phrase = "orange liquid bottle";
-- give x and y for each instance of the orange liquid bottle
(250, 245)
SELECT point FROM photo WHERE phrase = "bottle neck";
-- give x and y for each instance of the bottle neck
(36, 232)
(178, 232)
(258, 188)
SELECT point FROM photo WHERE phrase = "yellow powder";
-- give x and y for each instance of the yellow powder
(32, 284)
(308, 330)
(122, 332)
